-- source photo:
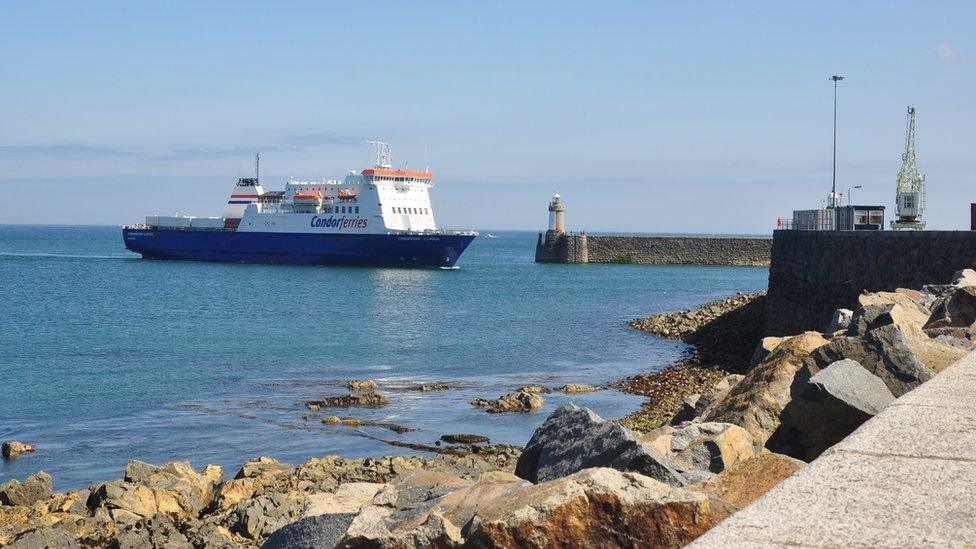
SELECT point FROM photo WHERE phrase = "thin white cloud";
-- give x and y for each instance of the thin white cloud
(948, 53)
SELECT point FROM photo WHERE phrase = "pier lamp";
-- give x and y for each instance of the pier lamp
(849, 203)
(832, 202)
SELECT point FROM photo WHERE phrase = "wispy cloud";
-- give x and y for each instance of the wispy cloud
(948, 53)
(61, 150)
(218, 152)
(328, 139)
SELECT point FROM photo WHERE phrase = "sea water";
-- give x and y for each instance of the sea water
(106, 357)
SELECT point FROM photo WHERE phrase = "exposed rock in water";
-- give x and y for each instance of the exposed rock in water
(34, 488)
(667, 390)
(332, 420)
(724, 332)
(363, 400)
(834, 402)
(756, 402)
(572, 388)
(520, 401)
(362, 384)
(573, 438)
(464, 439)
(427, 387)
(593, 508)
(535, 389)
(14, 448)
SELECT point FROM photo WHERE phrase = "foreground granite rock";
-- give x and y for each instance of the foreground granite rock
(34, 488)
(746, 480)
(884, 352)
(598, 507)
(756, 402)
(833, 403)
(573, 438)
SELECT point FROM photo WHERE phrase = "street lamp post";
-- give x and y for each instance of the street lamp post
(849, 203)
(832, 202)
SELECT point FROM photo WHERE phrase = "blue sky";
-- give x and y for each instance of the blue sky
(656, 117)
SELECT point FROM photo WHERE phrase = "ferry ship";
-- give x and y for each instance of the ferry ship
(380, 217)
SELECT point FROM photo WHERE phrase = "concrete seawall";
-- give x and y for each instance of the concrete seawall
(812, 273)
(652, 250)
(906, 478)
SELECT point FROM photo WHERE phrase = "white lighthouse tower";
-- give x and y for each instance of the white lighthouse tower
(556, 215)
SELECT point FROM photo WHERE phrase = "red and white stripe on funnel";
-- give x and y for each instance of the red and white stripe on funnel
(246, 191)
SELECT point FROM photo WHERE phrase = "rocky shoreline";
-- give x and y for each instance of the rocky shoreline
(718, 432)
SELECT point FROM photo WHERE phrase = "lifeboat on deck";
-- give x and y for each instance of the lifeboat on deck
(347, 194)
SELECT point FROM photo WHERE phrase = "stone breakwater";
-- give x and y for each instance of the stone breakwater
(652, 250)
(581, 480)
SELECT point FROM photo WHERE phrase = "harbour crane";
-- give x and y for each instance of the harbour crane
(909, 189)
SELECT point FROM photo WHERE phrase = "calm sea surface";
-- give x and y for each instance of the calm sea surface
(105, 357)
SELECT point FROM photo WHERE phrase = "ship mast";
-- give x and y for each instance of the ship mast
(383, 157)
(909, 188)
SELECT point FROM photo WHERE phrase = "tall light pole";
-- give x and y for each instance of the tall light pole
(832, 202)
(849, 203)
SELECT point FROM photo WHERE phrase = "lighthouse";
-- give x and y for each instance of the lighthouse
(556, 214)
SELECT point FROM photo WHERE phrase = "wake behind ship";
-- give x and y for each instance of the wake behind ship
(378, 217)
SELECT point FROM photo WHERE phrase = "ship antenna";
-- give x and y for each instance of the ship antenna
(257, 167)
(383, 159)
(426, 162)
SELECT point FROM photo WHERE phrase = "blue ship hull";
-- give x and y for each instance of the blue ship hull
(377, 250)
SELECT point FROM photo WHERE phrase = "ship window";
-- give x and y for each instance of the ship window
(357, 209)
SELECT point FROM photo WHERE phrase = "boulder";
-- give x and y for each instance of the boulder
(520, 401)
(909, 316)
(177, 483)
(32, 489)
(232, 492)
(939, 353)
(464, 439)
(410, 513)
(956, 308)
(125, 502)
(257, 518)
(43, 538)
(598, 507)
(13, 448)
(964, 278)
(574, 438)
(884, 351)
(332, 420)
(313, 532)
(840, 320)
(155, 531)
(325, 519)
(755, 402)
(763, 348)
(687, 411)
(834, 402)
(536, 389)
(361, 384)
(362, 400)
(427, 387)
(265, 467)
(709, 447)
(718, 392)
(573, 388)
(746, 480)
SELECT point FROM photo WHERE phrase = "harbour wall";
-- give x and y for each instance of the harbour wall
(555, 247)
(812, 273)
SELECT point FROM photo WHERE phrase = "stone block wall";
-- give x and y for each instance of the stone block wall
(812, 273)
(650, 250)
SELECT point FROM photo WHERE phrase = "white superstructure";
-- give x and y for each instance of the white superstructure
(377, 200)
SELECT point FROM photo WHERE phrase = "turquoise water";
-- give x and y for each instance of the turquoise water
(105, 357)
